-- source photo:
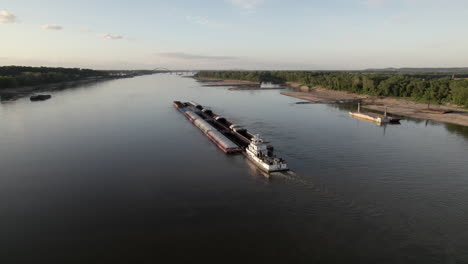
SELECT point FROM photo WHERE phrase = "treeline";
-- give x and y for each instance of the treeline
(18, 76)
(418, 87)
(459, 72)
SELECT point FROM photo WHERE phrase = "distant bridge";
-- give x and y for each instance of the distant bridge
(178, 72)
(162, 70)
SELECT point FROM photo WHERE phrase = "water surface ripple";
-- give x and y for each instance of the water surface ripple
(113, 173)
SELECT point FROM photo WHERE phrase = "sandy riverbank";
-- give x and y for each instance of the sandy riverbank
(396, 106)
(320, 95)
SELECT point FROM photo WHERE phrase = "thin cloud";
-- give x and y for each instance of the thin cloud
(7, 17)
(51, 27)
(399, 20)
(204, 21)
(198, 20)
(188, 56)
(112, 36)
(246, 4)
(375, 3)
(85, 30)
(383, 3)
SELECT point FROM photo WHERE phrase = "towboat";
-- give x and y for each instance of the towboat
(258, 152)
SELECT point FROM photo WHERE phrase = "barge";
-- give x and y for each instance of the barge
(232, 138)
(223, 142)
(378, 118)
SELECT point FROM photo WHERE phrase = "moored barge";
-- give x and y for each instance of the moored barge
(378, 118)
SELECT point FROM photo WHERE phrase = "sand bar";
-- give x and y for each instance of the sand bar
(396, 106)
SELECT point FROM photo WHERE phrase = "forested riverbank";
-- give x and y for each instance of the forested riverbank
(20, 76)
(19, 81)
(423, 87)
(24, 76)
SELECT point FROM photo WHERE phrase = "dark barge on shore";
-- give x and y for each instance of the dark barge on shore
(40, 97)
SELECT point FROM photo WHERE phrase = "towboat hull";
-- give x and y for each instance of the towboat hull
(266, 167)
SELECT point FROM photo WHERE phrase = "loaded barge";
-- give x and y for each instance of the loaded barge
(231, 138)
(192, 112)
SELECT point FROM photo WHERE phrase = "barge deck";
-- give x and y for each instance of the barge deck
(221, 137)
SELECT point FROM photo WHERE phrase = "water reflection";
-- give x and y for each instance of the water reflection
(457, 129)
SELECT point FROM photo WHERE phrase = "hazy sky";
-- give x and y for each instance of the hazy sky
(235, 34)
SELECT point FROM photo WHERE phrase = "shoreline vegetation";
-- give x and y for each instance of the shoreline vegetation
(376, 91)
(20, 81)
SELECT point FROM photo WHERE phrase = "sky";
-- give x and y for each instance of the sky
(235, 34)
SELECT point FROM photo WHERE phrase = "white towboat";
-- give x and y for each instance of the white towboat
(257, 151)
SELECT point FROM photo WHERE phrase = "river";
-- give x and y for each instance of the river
(112, 173)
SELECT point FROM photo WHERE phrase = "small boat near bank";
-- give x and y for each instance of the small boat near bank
(232, 138)
(40, 97)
